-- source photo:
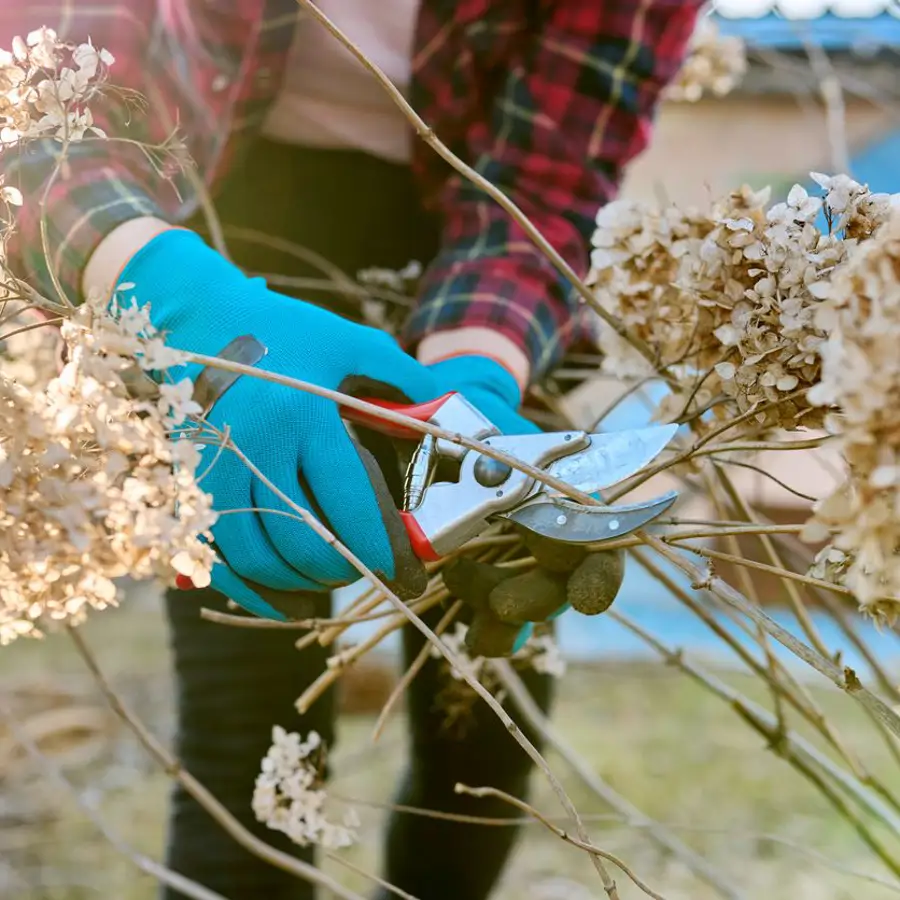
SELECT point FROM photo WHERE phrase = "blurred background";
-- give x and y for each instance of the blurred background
(821, 92)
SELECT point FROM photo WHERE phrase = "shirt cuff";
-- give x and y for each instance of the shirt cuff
(87, 200)
(515, 295)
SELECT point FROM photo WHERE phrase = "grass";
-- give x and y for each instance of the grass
(676, 752)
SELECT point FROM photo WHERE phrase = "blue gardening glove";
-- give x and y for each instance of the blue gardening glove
(506, 604)
(297, 440)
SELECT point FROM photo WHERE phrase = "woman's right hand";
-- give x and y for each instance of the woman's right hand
(296, 439)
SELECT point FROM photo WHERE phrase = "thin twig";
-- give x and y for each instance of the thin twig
(779, 678)
(846, 679)
(197, 791)
(430, 138)
(396, 418)
(412, 671)
(698, 443)
(518, 735)
(343, 861)
(542, 725)
(814, 765)
(157, 870)
(340, 662)
(559, 832)
(618, 819)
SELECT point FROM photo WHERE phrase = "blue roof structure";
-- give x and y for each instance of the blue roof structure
(790, 24)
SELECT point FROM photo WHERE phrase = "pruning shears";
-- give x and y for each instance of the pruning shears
(442, 515)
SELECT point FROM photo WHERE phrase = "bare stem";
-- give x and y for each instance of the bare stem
(518, 735)
(412, 671)
(157, 870)
(559, 832)
(197, 791)
(430, 138)
(846, 679)
(657, 832)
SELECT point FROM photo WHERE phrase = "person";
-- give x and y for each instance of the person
(548, 99)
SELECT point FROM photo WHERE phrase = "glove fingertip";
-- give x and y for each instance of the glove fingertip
(595, 584)
(529, 597)
(231, 586)
(564, 608)
(488, 637)
(472, 580)
(553, 555)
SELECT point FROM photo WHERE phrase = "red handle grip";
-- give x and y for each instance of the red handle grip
(420, 543)
(421, 412)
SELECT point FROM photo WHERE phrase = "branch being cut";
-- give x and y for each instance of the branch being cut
(430, 138)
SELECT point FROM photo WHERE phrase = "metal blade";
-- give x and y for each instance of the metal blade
(611, 458)
(573, 523)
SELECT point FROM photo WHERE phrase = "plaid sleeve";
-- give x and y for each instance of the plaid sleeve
(102, 183)
(575, 108)
(195, 64)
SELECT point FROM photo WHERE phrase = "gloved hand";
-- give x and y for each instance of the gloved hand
(297, 440)
(506, 602)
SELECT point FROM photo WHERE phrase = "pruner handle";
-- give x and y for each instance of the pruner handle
(421, 412)
(419, 470)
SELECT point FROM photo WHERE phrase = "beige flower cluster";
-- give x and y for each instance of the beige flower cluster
(94, 484)
(714, 64)
(727, 297)
(861, 383)
(45, 86)
(288, 796)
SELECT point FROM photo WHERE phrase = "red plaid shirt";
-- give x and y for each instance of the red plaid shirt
(548, 99)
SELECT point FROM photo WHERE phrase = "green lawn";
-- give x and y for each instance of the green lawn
(676, 752)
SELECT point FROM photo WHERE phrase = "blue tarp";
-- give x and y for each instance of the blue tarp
(828, 31)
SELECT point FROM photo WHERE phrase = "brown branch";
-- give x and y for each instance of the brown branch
(151, 867)
(559, 832)
(699, 442)
(779, 679)
(197, 791)
(389, 415)
(539, 722)
(797, 604)
(515, 213)
(814, 765)
(618, 819)
(412, 671)
(340, 662)
(518, 735)
(846, 679)
(359, 870)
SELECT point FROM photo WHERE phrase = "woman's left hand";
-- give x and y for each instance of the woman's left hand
(506, 602)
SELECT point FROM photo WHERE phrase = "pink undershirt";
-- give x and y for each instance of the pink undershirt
(328, 99)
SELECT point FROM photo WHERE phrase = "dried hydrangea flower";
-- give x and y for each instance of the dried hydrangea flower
(46, 86)
(95, 484)
(289, 797)
(727, 297)
(715, 64)
(860, 384)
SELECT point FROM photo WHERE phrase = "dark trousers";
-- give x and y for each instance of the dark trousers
(234, 684)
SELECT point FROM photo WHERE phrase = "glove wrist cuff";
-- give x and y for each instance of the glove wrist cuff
(477, 341)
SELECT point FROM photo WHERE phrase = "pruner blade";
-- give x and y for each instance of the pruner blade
(574, 523)
(610, 458)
